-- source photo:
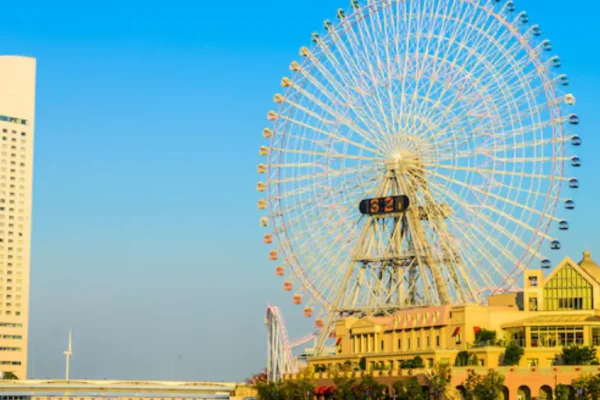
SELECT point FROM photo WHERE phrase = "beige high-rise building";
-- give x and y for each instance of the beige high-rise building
(17, 108)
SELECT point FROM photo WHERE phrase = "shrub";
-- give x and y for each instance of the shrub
(464, 358)
(512, 355)
(578, 355)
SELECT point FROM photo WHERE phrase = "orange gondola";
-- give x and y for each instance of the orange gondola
(297, 299)
(260, 186)
(273, 256)
(279, 271)
(262, 204)
(268, 239)
(308, 312)
(319, 323)
(288, 286)
(267, 133)
(263, 151)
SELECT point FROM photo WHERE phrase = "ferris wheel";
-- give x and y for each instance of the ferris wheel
(417, 157)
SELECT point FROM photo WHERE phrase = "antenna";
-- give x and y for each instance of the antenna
(68, 355)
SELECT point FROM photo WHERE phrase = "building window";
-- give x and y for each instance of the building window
(427, 344)
(595, 336)
(533, 303)
(382, 345)
(555, 336)
(418, 343)
(399, 344)
(532, 362)
(533, 281)
(408, 344)
(568, 290)
(437, 340)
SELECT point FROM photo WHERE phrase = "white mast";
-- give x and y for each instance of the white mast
(68, 355)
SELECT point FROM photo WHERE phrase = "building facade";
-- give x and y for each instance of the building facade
(17, 110)
(549, 313)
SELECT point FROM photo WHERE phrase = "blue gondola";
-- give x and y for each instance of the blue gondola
(573, 119)
(556, 63)
(563, 225)
(576, 140)
(315, 37)
(569, 204)
(510, 6)
(536, 31)
(546, 264)
(546, 45)
(576, 161)
(523, 18)
(564, 80)
(573, 183)
(555, 245)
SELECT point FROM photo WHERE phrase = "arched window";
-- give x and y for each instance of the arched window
(545, 393)
(524, 393)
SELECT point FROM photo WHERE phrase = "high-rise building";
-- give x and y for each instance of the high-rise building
(17, 108)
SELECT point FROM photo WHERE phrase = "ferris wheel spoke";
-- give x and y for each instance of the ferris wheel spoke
(488, 194)
(325, 155)
(326, 173)
(506, 56)
(325, 122)
(376, 111)
(471, 54)
(494, 172)
(341, 119)
(516, 221)
(464, 227)
(345, 99)
(440, 38)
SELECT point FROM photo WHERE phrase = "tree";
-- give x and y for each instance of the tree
(299, 389)
(562, 392)
(485, 336)
(369, 389)
(587, 387)
(484, 387)
(270, 390)
(512, 355)
(578, 355)
(344, 388)
(438, 381)
(409, 389)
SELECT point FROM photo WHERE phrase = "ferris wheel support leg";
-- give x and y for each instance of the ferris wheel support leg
(331, 315)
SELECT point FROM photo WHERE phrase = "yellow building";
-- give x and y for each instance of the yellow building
(17, 106)
(550, 312)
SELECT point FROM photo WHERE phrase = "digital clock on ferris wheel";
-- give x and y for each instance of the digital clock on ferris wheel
(384, 205)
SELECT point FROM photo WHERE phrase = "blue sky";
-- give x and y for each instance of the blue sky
(149, 118)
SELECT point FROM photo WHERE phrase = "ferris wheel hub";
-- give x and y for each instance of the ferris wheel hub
(403, 161)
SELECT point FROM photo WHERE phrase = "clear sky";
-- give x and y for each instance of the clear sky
(149, 118)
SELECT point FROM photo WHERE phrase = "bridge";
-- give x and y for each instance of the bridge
(36, 389)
